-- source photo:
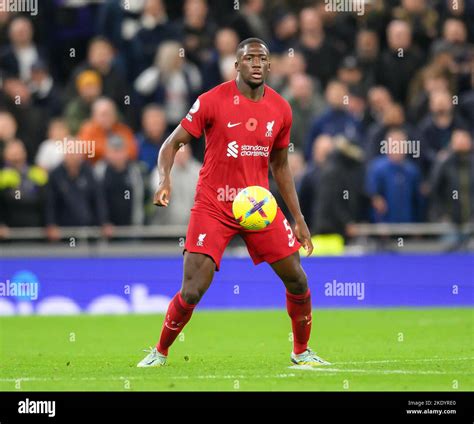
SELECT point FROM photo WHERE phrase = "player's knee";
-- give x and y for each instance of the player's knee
(191, 296)
(297, 284)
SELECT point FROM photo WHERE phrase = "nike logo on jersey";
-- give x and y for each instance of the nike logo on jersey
(230, 125)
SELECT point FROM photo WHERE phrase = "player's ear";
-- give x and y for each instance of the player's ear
(236, 65)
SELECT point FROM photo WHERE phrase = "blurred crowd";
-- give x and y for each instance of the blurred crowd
(383, 107)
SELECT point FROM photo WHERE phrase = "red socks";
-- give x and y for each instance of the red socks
(299, 310)
(178, 314)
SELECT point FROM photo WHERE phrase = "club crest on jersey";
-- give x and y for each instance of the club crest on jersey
(269, 132)
(201, 238)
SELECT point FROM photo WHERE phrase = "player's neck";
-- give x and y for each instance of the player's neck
(254, 94)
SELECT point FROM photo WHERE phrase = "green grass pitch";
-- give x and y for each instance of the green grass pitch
(378, 349)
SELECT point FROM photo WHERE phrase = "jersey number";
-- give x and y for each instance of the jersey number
(291, 236)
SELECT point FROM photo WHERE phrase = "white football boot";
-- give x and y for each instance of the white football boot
(308, 357)
(153, 359)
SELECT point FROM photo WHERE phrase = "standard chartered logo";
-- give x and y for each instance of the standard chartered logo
(246, 150)
(233, 149)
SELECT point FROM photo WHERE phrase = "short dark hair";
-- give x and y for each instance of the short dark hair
(251, 40)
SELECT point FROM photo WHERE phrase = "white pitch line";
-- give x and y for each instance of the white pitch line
(299, 367)
(324, 369)
(390, 361)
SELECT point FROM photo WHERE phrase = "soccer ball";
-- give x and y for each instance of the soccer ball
(254, 208)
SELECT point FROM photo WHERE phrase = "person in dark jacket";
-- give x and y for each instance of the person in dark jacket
(452, 181)
(22, 189)
(399, 62)
(310, 185)
(122, 185)
(342, 199)
(336, 120)
(74, 196)
(437, 127)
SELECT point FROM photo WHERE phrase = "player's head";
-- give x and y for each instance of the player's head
(253, 61)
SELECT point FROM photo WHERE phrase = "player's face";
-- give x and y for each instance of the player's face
(253, 64)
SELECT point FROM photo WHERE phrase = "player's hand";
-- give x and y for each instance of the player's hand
(162, 194)
(304, 236)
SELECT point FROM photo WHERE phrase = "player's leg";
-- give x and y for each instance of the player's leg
(298, 299)
(206, 240)
(298, 305)
(197, 277)
(278, 246)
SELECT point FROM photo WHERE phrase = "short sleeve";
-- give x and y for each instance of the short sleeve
(198, 117)
(283, 137)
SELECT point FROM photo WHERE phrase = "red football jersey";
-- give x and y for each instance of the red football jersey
(240, 134)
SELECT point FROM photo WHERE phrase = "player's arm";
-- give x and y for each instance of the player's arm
(178, 138)
(285, 182)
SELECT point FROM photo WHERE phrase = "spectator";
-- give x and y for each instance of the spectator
(172, 82)
(285, 31)
(393, 183)
(78, 110)
(250, 21)
(119, 22)
(101, 58)
(466, 105)
(297, 167)
(429, 79)
(152, 137)
(322, 57)
(22, 190)
(461, 9)
(122, 185)
(350, 73)
(220, 67)
(8, 131)
(422, 19)
(393, 117)
(452, 182)
(105, 127)
(311, 181)
(336, 120)
(155, 28)
(185, 173)
(305, 103)
(455, 42)
(18, 57)
(379, 99)
(399, 62)
(367, 52)
(341, 198)
(74, 197)
(197, 30)
(5, 18)
(437, 127)
(50, 153)
(45, 93)
(16, 99)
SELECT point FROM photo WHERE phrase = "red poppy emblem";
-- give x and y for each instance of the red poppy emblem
(251, 124)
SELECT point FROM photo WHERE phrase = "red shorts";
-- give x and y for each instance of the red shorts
(210, 233)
